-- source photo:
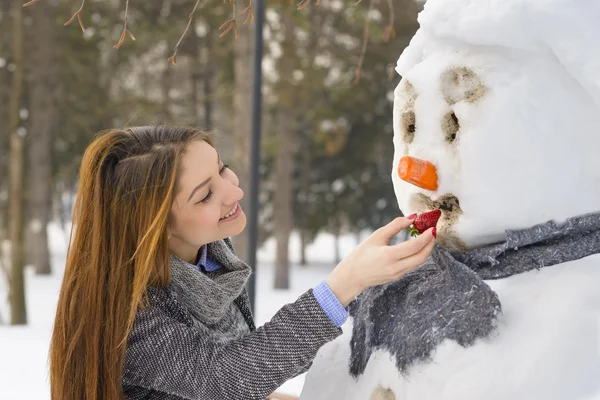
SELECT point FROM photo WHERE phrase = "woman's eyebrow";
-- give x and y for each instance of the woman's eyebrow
(198, 187)
(206, 181)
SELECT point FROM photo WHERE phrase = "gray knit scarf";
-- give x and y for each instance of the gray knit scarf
(208, 299)
(447, 297)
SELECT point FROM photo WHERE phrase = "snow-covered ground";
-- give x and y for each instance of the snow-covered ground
(24, 350)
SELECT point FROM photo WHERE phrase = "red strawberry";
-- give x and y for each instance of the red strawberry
(424, 221)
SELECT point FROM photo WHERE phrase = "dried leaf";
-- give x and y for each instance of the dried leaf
(72, 19)
(249, 12)
(30, 3)
(121, 39)
(303, 4)
(389, 33)
(249, 17)
(224, 23)
(173, 59)
(80, 22)
(227, 29)
(359, 74)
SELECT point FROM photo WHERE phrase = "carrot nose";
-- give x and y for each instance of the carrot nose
(420, 173)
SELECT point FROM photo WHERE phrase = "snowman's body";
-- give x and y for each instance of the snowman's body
(502, 100)
(546, 346)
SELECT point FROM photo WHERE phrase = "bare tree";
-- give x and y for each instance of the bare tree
(43, 72)
(18, 311)
(286, 149)
(242, 97)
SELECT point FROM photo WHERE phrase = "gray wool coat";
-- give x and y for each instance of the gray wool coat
(174, 353)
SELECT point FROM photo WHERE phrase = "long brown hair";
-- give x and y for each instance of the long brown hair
(118, 247)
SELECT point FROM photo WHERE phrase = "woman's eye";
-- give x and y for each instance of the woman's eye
(207, 198)
(210, 193)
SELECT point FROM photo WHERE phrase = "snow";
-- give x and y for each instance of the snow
(24, 350)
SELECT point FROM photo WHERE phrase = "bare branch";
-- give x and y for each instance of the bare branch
(125, 32)
(80, 22)
(363, 51)
(250, 16)
(173, 58)
(389, 30)
(76, 15)
(5, 271)
(391, 71)
(229, 25)
(305, 3)
(30, 3)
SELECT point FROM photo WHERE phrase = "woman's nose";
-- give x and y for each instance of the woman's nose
(234, 192)
(420, 173)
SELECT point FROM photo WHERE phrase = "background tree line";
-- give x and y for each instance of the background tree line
(326, 134)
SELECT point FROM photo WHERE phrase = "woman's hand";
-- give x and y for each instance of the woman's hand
(279, 396)
(374, 262)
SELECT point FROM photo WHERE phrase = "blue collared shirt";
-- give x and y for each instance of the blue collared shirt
(323, 294)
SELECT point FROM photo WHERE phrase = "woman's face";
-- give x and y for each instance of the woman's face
(205, 208)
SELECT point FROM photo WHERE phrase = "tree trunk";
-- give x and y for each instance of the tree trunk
(165, 87)
(42, 111)
(202, 82)
(4, 129)
(282, 200)
(338, 256)
(207, 80)
(195, 74)
(283, 168)
(338, 252)
(303, 245)
(208, 98)
(304, 207)
(242, 121)
(18, 311)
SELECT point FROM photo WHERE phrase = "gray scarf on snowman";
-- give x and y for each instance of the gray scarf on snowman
(447, 298)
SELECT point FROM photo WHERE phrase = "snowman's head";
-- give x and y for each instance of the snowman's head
(498, 138)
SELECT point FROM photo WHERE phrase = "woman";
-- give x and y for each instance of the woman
(153, 305)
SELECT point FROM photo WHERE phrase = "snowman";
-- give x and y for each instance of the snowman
(496, 124)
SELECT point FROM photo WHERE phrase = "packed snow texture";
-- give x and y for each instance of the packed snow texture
(516, 83)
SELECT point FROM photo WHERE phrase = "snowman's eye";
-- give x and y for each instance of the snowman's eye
(408, 126)
(450, 126)
(461, 84)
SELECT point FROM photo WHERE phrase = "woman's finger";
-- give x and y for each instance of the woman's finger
(413, 246)
(279, 396)
(414, 261)
(385, 233)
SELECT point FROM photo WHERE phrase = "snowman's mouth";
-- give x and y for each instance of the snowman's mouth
(449, 205)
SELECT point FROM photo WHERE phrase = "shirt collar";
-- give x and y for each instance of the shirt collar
(205, 262)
